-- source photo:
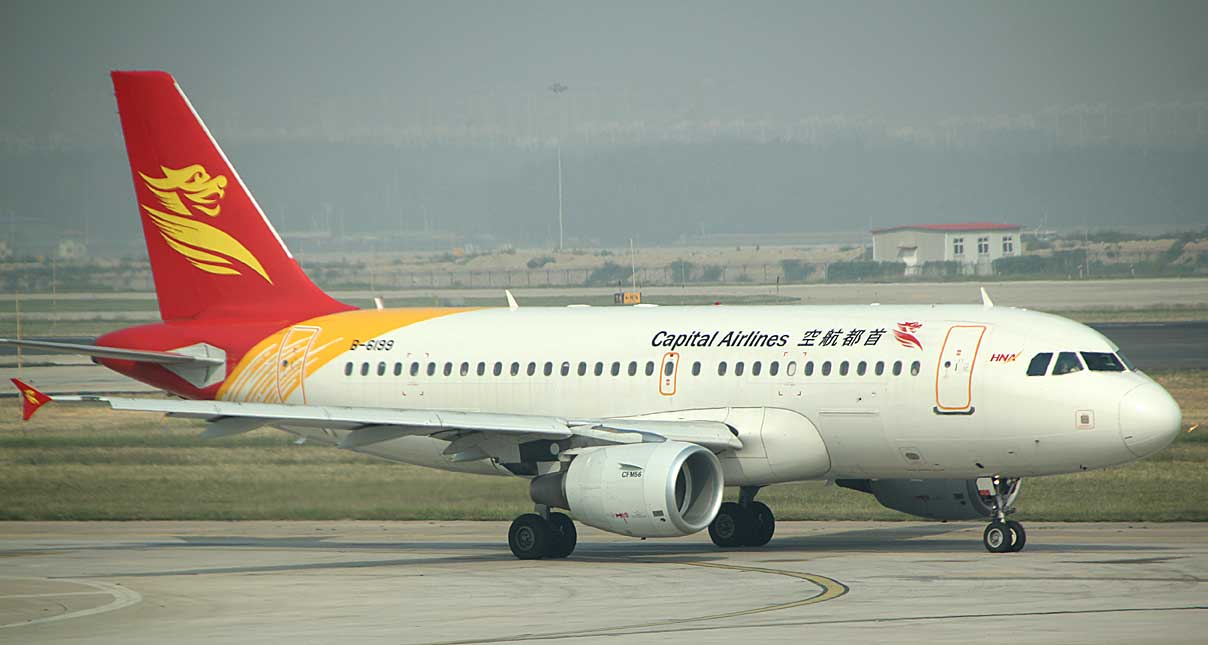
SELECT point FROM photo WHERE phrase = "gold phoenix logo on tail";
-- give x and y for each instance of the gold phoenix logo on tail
(198, 242)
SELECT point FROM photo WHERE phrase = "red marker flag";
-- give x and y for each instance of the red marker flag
(31, 398)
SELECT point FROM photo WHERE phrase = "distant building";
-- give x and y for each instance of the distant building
(975, 245)
(71, 250)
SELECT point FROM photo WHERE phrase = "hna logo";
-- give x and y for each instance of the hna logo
(905, 334)
(183, 194)
(1004, 358)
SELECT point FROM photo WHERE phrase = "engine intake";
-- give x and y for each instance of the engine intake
(664, 489)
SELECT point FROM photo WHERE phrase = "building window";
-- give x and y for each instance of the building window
(1008, 245)
(958, 246)
(983, 246)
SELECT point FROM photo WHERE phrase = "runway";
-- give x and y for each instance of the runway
(456, 582)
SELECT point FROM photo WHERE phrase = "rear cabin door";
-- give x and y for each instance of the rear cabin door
(954, 374)
(291, 362)
(668, 370)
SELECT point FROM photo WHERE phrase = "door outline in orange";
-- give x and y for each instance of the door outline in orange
(291, 360)
(668, 383)
(939, 366)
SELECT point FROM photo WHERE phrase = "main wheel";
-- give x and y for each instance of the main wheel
(564, 535)
(732, 526)
(1019, 537)
(997, 537)
(763, 524)
(530, 537)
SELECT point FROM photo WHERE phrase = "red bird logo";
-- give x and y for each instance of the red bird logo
(905, 335)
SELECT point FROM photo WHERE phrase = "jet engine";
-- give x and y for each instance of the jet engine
(644, 490)
(937, 499)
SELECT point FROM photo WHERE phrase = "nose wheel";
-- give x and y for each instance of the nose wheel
(1003, 535)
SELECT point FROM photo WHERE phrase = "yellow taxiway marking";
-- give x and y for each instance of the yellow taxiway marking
(831, 589)
(122, 597)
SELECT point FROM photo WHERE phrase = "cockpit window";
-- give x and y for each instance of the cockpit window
(1067, 362)
(1102, 362)
(1127, 363)
(1040, 364)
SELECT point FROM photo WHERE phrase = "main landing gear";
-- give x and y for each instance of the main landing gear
(1003, 535)
(746, 523)
(542, 535)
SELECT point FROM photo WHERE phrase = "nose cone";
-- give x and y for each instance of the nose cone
(1149, 419)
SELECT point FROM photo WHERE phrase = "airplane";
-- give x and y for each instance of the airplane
(631, 419)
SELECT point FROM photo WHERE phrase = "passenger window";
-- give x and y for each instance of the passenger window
(532, 368)
(696, 368)
(809, 368)
(633, 368)
(364, 369)
(756, 368)
(515, 371)
(599, 368)
(721, 368)
(1102, 362)
(897, 368)
(649, 368)
(482, 368)
(915, 367)
(826, 367)
(549, 368)
(565, 368)
(791, 368)
(498, 369)
(398, 369)
(843, 368)
(582, 368)
(861, 368)
(1067, 362)
(448, 369)
(774, 368)
(347, 369)
(1040, 364)
(465, 369)
(880, 368)
(431, 369)
(738, 368)
(616, 369)
(414, 370)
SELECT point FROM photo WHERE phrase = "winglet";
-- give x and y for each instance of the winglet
(31, 398)
(512, 306)
(986, 302)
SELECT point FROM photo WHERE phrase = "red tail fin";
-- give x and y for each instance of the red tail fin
(213, 252)
(31, 399)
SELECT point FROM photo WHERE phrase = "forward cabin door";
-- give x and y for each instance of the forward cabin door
(954, 374)
(291, 362)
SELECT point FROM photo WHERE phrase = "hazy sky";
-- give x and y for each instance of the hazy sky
(906, 60)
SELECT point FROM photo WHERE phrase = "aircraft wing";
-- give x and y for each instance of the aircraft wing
(367, 426)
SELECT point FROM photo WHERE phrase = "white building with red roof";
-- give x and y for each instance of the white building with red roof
(974, 244)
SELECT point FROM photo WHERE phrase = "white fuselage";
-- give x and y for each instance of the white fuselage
(951, 399)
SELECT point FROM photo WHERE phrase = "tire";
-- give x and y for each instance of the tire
(997, 537)
(530, 537)
(1019, 537)
(763, 524)
(564, 535)
(732, 527)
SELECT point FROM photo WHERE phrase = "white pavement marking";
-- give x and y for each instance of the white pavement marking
(122, 598)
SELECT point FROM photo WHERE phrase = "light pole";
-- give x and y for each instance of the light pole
(558, 89)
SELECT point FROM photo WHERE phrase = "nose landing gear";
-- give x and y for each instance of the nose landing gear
(1003, 535)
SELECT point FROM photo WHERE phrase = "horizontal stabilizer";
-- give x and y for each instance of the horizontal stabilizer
(140, 355)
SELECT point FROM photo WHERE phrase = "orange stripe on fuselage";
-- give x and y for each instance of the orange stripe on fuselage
(253, 378)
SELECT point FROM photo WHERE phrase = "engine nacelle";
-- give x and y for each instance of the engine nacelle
(937, 499)
(664, 489)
